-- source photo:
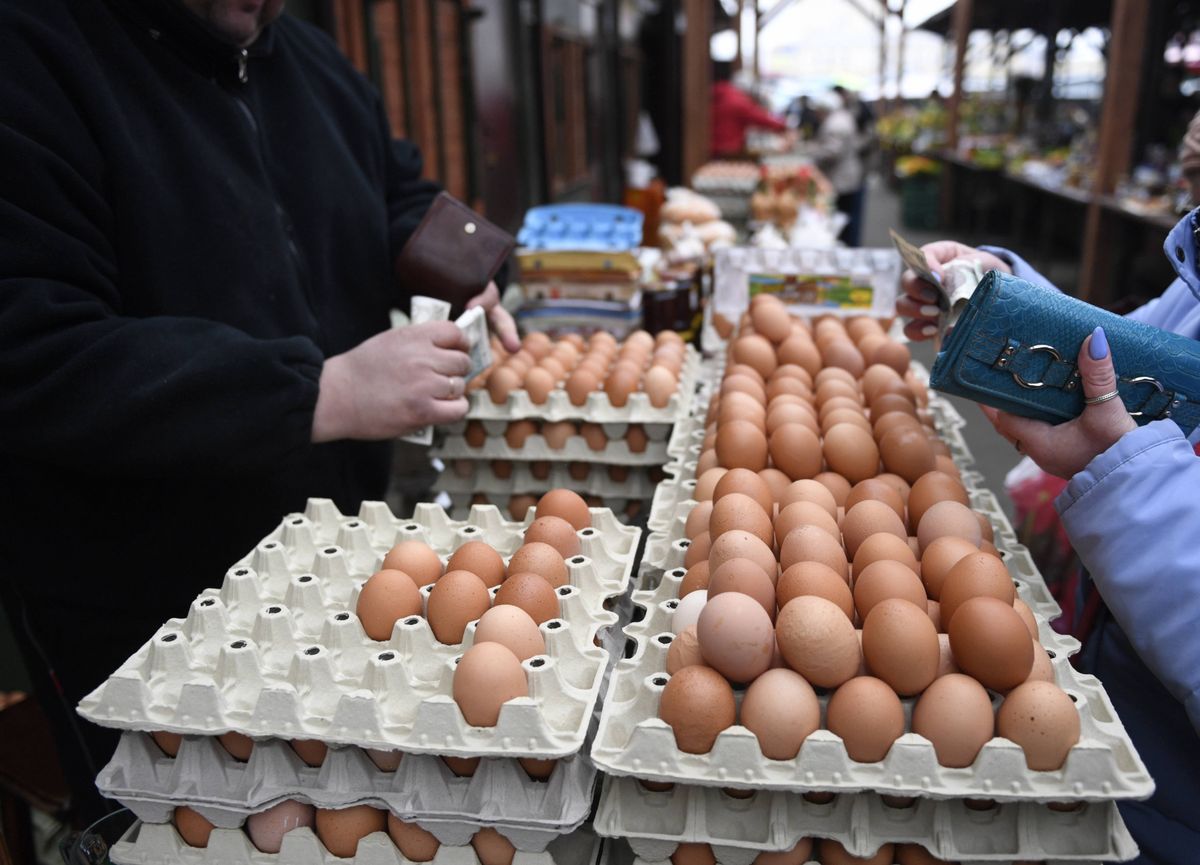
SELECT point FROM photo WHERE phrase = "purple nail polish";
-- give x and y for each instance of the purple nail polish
(1098, 347)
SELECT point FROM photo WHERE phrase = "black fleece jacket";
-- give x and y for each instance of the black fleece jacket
(186, 232)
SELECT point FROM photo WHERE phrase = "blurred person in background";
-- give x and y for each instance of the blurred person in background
(802, 117)
(201, 205)
(733, 112)
(836, 150)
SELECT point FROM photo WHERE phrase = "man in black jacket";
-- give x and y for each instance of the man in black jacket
(199, 210)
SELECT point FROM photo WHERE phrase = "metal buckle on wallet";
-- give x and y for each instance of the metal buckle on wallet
(1146, 379)
(1033, 385)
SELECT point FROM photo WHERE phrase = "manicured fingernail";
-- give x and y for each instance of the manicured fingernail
(1098, 347)
(928, 294)
(930, 311)
(928, 330)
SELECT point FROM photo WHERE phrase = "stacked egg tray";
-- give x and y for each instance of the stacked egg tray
(655, 823)
(277, 651)
(150, 844)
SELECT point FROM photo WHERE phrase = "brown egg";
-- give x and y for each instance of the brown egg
(462, 767)
(893, 354)
(782, 413)
(948, 518)
(492, 848)
(833, 393)
(836, 484)
(882, 424)
(800, 350)
(866, 713)
(518, 506)
(746, 577)
(621, 382)
(698, 704)
(886, 579)
(934, 609)
(594, 435)
(192, 828)
(1026, 615)
(740, 544)
(1042, 669)
(747, 483)
(955, 715)
(340, 830)
(513, 628)
(475, 435)
(906, 452)
(899, 484)
(479, 559)
(843, 354)
(311, 751)
(900, 645)
(777, 482)
(386, 598)
(582, 382)
(809, 491)
(735, 631)
(752, 386)
(884, 546)
(636, 439)
(813, 544)
(818, 641)
(771, 320)
(1043, 720)
(706, 483)
(814, 578)
(780, 708)
(796, 451)
(876, 377)
(416, 559)
(975, 575)
(757, 352)
(746, 370)
(487, 676)
(915, 854)
(779, 386)
(518, 432)
(990, 642)
(936, 562)
(708, 459)
(538, 770)
(798, 855)
(557, 434)
(238, 745)
(684, 651)
(660, 385)
(869, 518)
(697, 519)
(741, 444)
(688, 853)
(538, 557)
(833, 853)
(415, 843)
(502, 469)
(532, 593)
(554, 532)
(267, 828)
(696, 579)
(928, 490)
(502, 382)
(832, 372)
(457, 598)
(805, 514)
(738, 511)
(851, 452)
(168, 743)
(698, 549)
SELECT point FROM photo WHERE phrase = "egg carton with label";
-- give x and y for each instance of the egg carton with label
(243, 659)
(461, 503)
(154, 844)
(633, 741)
(204, 776)
(654, 823)
(618, 852)
(576, 449)
(597, 409)
(482, 478)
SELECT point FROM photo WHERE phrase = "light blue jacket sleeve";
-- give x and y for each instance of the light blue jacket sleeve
(1021, 268)
(1132, 516)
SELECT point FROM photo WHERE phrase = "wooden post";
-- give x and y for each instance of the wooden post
(697, 85)
(900, 55)
(1118, 111)
(757, 60)
(961, 24)
(883, 52)
(737, 29)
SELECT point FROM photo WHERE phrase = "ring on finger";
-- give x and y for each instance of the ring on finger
(457, 386)
(1104, 397)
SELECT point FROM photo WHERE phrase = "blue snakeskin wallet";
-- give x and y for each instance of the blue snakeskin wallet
(1014, 348)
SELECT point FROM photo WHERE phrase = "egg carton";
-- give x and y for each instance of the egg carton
(204, 776)
(597, 409)
(278, 652)
(654, 823)
(633, 741)
(618, 852)
(461, 503)
(686, 438)
(576, 449)
(482, 479)
(154, 844)
(675, 490)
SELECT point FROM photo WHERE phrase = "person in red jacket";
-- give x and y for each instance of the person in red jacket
(733, 112)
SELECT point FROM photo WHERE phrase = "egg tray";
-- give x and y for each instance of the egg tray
(576, 449)
(483, 479)
(633, 741)
(278, 652)
(154, 844)
(686, 438)
(597, 409)
(739, 829)
(461, 503)
(423, 789)
(676, 488)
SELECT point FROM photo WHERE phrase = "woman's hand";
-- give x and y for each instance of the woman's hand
(1064, 450)
(499, 320)
(919, 301)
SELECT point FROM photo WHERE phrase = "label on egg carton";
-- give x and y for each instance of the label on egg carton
(278, 652)
(480, 477)
(154, 844)
(655, 823)
(633, 741)
(597, 409)
(535, 448)
(205, 777)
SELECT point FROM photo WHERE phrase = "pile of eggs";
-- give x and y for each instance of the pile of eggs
(642, 362)
(826, 851)
(833, 547)
(340, 830)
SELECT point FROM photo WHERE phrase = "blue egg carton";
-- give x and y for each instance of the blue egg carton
(582, 227)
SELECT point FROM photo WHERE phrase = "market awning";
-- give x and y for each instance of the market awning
(1026, 14)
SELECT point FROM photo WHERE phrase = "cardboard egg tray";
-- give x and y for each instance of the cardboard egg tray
(576, 448)
(597, 409)
(676, 488)
(154, 844)
(686, 438)
(482, 479)
(738, 830)
(423, 789)
(277, 650)
(633, 741)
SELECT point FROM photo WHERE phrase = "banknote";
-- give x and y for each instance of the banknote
(424, 310)
(955, 287)
(473, 323)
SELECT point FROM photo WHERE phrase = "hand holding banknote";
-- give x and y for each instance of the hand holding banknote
(921, 301)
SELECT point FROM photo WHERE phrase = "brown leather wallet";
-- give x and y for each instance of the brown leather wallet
(453, 254)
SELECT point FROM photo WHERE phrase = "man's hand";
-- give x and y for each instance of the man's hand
(1064, 450)
(919, 301)
(499, 320)
(393, 383)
